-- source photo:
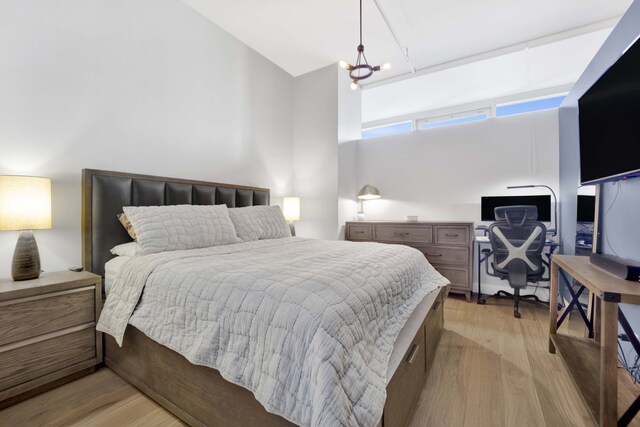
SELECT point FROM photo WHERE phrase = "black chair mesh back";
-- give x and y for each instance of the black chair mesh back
(517, 240)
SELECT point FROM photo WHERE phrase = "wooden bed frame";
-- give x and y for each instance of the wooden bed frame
(199, 395)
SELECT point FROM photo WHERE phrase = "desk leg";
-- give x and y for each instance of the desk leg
(609, 364)
(553, 305)
(597, 314)
(479, 272)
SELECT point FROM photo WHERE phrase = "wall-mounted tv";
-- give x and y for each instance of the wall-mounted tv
(610, 122)
(489, 203)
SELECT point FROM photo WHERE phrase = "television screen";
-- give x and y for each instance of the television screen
(610, 122)
(489, 203)
(586, 208)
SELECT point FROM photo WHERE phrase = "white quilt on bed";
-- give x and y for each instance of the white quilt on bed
(307, 325)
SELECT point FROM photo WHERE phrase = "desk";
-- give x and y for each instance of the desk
(593, 364)
(484, 240)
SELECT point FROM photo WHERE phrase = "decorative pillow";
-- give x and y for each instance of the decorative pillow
(178, 227)
(126, 249)
(259, 222)
(127, 225)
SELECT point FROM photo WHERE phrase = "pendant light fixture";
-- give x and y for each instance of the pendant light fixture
(362, 70)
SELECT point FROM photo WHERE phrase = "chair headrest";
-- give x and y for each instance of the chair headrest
(516, 215)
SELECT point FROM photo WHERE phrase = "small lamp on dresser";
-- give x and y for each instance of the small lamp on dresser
(291, 211)
(25, 205)
(368, 192)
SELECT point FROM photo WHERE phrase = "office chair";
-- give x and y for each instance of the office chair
(517, 240)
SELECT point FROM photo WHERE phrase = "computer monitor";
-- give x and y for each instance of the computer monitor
(586, 208)
(489, 203)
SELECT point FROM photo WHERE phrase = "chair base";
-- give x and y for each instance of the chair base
(516, 297)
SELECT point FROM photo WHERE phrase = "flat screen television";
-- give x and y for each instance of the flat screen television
(489, 203)
(586, 208)
(610, 122)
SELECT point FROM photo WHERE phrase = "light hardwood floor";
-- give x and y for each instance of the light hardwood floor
(490, 370)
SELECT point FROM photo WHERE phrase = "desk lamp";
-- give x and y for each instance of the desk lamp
(554, 231)
(25, 205)
(368, 192)
(291, 211)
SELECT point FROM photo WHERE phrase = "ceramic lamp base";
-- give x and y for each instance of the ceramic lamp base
(26, 258)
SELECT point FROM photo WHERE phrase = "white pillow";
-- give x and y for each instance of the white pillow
(259, 222)
(179, 227)
(126, 249)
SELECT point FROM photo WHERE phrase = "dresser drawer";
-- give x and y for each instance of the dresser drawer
(359, 232)
(452, 235)
(404, 233)
(443, 255)
(404, 387)
(459, 277)
(40, 356)
(32, 316)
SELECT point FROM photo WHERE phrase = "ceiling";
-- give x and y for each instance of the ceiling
(303, 35)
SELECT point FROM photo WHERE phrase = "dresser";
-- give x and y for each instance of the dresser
(47, 332)
(447, 245)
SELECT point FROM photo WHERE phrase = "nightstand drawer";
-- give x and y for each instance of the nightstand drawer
(32, 316)
(451, 235)
(403, 234)
(359, 232)
(441, 255)
(21, 362)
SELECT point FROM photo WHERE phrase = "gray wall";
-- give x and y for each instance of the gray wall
(146, 86)
(620, 220)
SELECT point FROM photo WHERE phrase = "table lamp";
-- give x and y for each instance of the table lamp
(368, 192)
(291, 211)
(25, 205)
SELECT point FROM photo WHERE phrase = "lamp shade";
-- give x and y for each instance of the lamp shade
(369, 192)
(291, 208)
(25, 203)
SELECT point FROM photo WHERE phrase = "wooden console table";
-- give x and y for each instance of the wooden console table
(592, 364)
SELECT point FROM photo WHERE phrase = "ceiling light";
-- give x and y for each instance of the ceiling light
(362, 70)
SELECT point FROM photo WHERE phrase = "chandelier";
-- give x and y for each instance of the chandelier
(362, 70)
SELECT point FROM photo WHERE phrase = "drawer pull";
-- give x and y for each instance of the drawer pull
(435, 306)
(358, 232)
(451, 235)
(412, 355)
(400, 234)
(434, 255)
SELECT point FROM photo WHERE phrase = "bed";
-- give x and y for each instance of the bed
(202, 395)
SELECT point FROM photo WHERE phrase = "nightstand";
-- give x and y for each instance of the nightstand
(47, 332)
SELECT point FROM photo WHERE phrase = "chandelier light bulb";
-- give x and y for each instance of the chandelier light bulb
(386, 66)
(343, 64)
(354, 86)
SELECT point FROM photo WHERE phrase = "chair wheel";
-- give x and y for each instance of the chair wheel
(482, 301)
(517, 315)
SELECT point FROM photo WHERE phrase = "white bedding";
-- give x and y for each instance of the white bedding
(307, 325)
(112, 269)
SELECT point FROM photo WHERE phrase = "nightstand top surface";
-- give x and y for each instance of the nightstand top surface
(47, 282)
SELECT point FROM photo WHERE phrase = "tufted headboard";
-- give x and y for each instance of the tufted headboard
(104, 193)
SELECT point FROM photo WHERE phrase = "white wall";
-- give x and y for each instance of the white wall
(326, 113)
(440, 174)
(349, 132)
(316, 152)
(146, 86)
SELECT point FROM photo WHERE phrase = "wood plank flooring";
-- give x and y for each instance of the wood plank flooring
(490, 370)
